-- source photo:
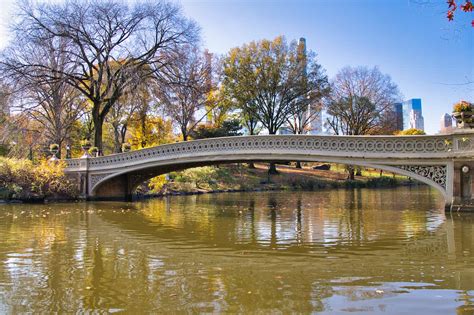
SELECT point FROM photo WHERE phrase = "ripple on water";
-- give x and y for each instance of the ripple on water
(390, 251)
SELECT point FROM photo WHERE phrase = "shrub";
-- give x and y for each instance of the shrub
(156, 183)
(462, 106)
(411, 132)
(21, 179)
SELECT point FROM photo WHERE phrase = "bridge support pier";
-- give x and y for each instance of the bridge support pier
(463, 186)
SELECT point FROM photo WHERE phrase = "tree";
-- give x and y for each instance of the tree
(228, 128)
(218, 106)
(152, 131)
(111, 45)
(360, 100)
(54, 104)
(267, 79)
(466, 6)
(183, 88)
(119, 118)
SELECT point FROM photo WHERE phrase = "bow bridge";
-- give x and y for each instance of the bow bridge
(445, 162)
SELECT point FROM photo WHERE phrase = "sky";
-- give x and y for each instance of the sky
(410, 40)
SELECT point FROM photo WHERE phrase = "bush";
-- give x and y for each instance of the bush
(156, 184)
(21, 179)
(411, 132)
(462, 106)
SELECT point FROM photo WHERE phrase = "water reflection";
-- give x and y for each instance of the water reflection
(333, 251)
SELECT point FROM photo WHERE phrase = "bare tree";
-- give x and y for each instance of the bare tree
(53, 104)
(184, 88)
(109, 44)
(361, 99)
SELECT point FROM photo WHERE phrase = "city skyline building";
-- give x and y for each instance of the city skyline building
(413, 114)
(313, 114)
(398, 111)
(446, 123)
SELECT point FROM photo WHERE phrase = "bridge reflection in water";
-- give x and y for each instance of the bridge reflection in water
(343, 250)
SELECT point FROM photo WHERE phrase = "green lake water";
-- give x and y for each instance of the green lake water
(386, 251)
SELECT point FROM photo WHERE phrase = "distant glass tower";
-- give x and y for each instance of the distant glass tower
(412, 114)
(398, 111)
(446, 123)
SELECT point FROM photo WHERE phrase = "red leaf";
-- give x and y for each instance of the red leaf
(450, 15)
(467, 6)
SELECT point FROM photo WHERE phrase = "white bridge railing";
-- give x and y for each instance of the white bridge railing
(391, 147)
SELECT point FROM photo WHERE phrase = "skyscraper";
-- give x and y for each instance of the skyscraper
(398, 111)
(412, 114)
(313, 113)
(446, 124)
(312, 116)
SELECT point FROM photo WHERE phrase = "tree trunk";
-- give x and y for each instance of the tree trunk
(272, 169)
(117, 144)
(184, 132)
(98, 122)
(350, 170)
(359, 171)
(59, 142)
(298, 164)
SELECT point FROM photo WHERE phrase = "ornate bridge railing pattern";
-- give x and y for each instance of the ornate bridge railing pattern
(346, 146)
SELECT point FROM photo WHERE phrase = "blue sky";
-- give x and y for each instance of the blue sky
(411, 40)
(428, 57)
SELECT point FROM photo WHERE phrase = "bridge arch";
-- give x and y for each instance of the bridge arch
(141, 173)
(434, 160)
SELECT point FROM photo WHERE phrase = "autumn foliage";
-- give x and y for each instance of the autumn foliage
(466, 6)
(21, 179)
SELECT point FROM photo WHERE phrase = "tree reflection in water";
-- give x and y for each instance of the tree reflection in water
(341, 250)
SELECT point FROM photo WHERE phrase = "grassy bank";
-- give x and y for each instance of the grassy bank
(238, 177)
(22, 180)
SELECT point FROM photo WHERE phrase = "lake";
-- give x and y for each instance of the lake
(390, 251)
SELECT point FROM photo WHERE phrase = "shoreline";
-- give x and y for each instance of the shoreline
(235, 178)
(138, 197)
(203, 192)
